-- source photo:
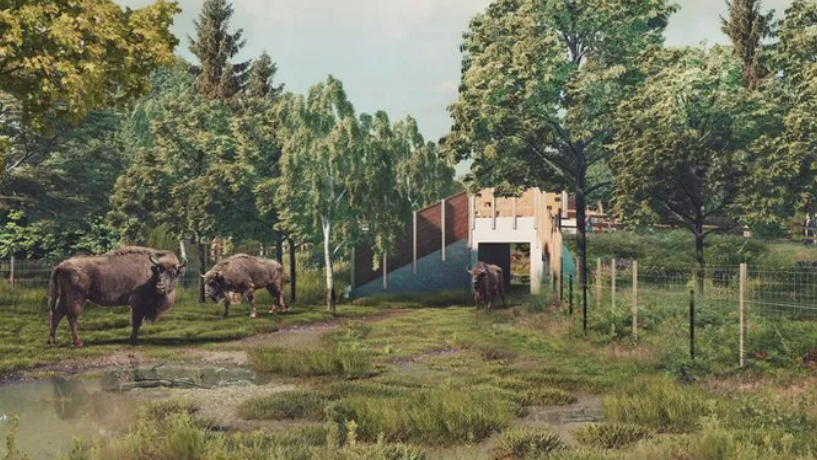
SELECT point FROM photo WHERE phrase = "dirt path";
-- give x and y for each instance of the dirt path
(232, 353)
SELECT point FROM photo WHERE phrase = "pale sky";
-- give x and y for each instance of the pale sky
(401, 56)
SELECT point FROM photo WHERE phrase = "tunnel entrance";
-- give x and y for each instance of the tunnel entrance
(497, 254)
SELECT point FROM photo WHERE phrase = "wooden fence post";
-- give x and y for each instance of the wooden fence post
(599, 283)
(742, 315)
(613, 291)
(635, 301)
(11, 272)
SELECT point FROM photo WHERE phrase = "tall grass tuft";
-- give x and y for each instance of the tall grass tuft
(287, 405)
(524, 443)
(438, 416)
(338, 361)
(612, 435)
(659, 404)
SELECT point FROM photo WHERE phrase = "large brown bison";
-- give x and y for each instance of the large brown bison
(488, 282)
(241, 275)
(143, 278)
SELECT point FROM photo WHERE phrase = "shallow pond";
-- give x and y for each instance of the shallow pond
(53, 412)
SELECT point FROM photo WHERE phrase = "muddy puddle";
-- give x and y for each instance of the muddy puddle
(53, 412)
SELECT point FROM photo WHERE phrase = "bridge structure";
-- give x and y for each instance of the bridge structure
(445, 238)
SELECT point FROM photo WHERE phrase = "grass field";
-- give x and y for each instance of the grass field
(429, 377)
(453, 383)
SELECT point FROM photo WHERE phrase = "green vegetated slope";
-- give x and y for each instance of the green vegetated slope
(454, 383)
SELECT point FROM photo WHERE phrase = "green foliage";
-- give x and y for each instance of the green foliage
(61, 59)
(287, 405)
(687, 127)
(261, 76)
(527, 443)
(612, 435)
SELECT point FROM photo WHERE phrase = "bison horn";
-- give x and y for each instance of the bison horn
(153, 260)
(202, 276)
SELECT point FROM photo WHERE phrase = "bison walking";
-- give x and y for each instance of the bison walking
(143, 278)
(488, 282)
(242, 274)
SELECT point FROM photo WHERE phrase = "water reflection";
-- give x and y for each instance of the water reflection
(53, 412)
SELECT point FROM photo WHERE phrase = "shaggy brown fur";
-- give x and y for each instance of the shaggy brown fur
(488, 282)
(242, 274)
(143, 278)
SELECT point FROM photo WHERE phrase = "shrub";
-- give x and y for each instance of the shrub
(438, 416)
(612, 435)
(523, 443)
(287, 405)
(338, 361)
(366, 389)
(658, 403)
(715, 443)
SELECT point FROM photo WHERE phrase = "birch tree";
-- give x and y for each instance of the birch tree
(322, 149)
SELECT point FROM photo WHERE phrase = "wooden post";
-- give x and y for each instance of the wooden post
(742, 315)
(493, 210)
(613, 290)
(414, 243)
(442, 226)
(635, 301)
(599, 282)
(385, 267)
(292, 272)
(11, 272)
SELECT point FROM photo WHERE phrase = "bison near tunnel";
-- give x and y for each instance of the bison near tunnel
(143, 278)
(488, 283)
(242, 274)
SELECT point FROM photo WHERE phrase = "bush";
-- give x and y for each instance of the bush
(527, 443)
(659, 404)
(338, 361)
(288, 405)
(438, 416)
(612, 435)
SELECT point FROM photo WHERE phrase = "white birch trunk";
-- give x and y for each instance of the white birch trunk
(327, 253)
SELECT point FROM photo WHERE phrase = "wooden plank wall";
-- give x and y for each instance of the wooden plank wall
(429, 238)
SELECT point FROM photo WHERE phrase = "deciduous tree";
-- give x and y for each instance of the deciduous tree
(746, 26)
(682, 141)
(539, 81)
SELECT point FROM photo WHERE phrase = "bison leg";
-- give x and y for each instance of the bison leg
(277, 296)
(72, 321)
(54, 319)
(251, 298)
(226, 306)
(137, 319)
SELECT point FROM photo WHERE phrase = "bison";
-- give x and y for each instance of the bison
(143, 278)
(488, 282)
(241, 275)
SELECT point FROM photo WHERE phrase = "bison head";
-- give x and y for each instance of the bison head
(214, 285)
(166, 273)
(477, 274)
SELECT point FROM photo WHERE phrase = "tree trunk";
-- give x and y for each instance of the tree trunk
(699, 258)
(292, 271)
(202, 269)
(279, 247)
(327, 254)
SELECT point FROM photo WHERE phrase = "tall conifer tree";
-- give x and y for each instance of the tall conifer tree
(215, 47)
(261, 78)
(746, 27)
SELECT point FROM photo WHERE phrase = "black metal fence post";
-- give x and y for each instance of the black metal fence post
(561, 282)
(692, 324)
(584, 305)
(570, 308)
